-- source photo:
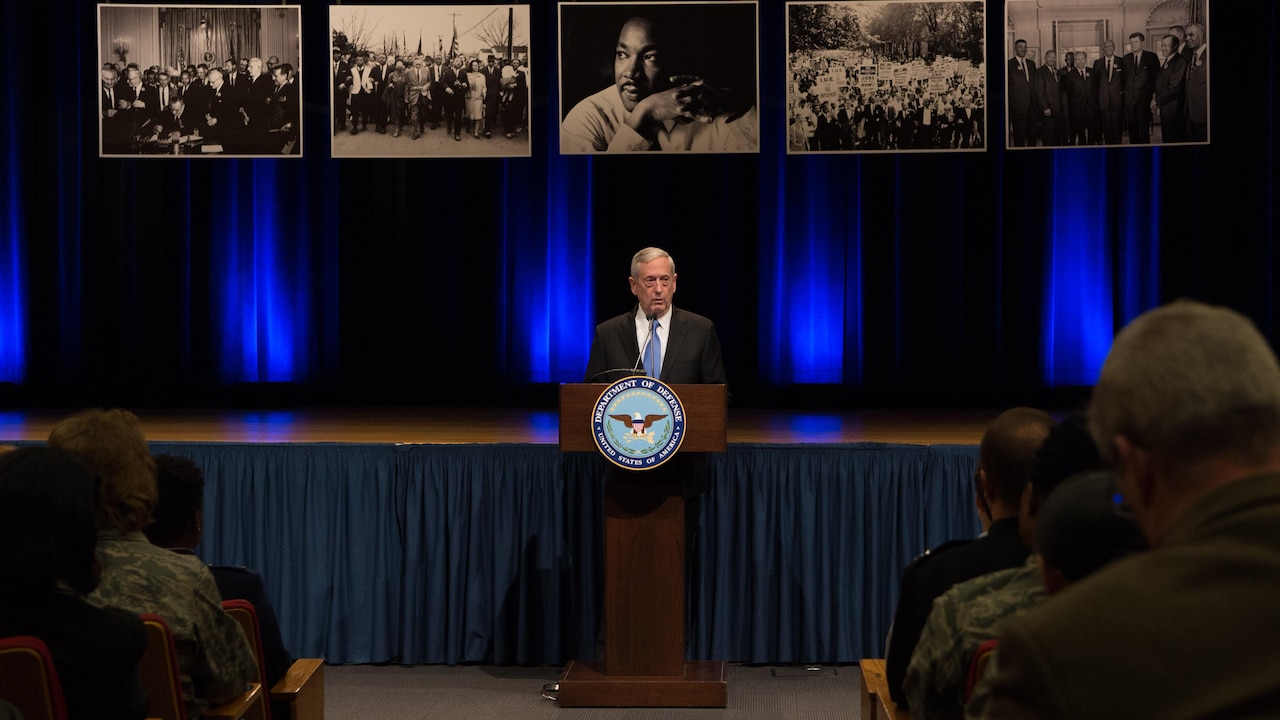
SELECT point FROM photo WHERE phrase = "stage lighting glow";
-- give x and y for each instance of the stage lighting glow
(272, 426)
(13, 286)
(549, 301)
(816, 424)
(1078, 305)
(804, 283)
(255, 283)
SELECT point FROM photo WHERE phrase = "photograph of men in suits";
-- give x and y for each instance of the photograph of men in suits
(1140, 70)
(1109, 88)
(412, 63)
(224, 104)
(1021, 72)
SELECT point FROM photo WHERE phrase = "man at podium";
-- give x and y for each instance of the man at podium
(676, 346)
(648, 554)
(654, 338)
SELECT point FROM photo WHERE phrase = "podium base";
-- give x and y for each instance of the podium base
(703, 684)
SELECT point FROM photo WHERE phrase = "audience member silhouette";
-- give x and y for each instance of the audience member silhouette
(215, 660)
(48, 507)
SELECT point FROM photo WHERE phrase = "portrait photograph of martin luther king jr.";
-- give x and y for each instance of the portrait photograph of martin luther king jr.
(659, 76)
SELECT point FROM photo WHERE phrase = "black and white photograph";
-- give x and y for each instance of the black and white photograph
(192, 81)
(430, 80)
(1125, 72)
(886, 76)
(674, 77)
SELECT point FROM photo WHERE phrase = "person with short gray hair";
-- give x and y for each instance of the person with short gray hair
(1187, 412)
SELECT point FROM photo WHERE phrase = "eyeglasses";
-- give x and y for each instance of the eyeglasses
(650, 281)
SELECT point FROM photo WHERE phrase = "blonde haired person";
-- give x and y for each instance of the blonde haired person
(214, 658)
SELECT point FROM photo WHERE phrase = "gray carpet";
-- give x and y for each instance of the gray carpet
(394, 692)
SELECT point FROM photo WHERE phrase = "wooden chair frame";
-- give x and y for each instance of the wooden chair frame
(302, 687)
(160, 676)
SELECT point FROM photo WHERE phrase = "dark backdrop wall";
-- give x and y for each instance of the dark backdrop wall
(927, 279)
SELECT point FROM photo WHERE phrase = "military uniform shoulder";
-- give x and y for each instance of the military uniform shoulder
(933, 553)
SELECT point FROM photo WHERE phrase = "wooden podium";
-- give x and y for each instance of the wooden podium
(644, 615)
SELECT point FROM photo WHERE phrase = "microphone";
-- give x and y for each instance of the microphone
(624, 372)
(635, 369)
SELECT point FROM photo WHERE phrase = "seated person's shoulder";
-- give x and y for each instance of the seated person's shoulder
(237, 582)
(924, 560)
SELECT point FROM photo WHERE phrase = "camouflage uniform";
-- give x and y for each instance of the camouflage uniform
(214, 657)
(962, 618)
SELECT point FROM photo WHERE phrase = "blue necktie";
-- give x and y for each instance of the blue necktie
(653, 366)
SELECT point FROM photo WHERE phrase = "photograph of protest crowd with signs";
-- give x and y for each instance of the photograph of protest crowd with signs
(886, 76)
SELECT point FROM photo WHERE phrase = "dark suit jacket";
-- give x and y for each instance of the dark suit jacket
(1198, 90)
(283, 107)
(341, 77)
(197, 99)
(1171, 90)
(1075, 86)
(151, 96)
(492, 84)
(435, 76)
(692, 357)
(222, 105)
(168, 123)
(106, 99)
(1110, 89)
(932, 574)
(1140, 79)
(692, 350)
(254, 99)
(162, 103)
(234, 82)
(1020, 87)
(240, 583)
(1045, 92)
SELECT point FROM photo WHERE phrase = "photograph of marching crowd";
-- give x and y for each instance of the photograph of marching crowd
(886, 76)
(667, 77)
(1133, 72)
(430, 80)
(199, 81)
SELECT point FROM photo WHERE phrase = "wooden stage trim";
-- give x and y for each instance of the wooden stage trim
(470, 426)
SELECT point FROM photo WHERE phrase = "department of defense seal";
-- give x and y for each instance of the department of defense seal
(638, 423)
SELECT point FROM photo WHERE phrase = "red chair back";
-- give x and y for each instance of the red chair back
(159, 673)
(28, 679)
(247, 615)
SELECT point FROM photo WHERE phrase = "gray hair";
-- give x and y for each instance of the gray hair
(1187, 382)
(650, 254)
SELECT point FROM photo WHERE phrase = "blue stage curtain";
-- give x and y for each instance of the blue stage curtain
(802, 546)
(494, 553)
